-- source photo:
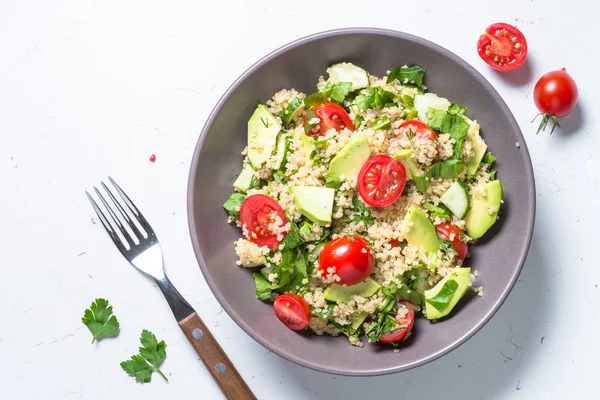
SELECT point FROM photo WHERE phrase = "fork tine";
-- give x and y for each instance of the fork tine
(122, 211)
(115, 219)
(134, 210)
(109, 229)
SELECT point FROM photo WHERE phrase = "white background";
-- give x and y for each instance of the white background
(91, 88)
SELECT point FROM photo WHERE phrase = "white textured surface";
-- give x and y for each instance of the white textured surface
(91, 88)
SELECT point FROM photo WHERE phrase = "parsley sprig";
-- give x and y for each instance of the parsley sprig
(100, 320)
(152, 354)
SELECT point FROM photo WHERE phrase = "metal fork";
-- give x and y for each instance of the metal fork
(141, 248)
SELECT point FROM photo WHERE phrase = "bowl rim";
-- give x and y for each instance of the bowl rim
(191, 197)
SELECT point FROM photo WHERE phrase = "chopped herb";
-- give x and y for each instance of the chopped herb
(285, 269)
(100, 320)
(305, 229)
(412, 75)
(438, 211)
(452, 124)
(254, 183)
(446, 246)
(358, 120)
(443, 297)
(293, 238)
(457, 110)
(410, 135)
(493, 175)
(381, 123)
(277, 177)
(332, 183)
(408, 101)
(374, 97)
(340, 91)
(300, 282)
(263, 286)
(384, 324)
(316, 99)
(265, 122)
(233, 204)
(323, 313)
(448, 169)
(309, 117)
(361, 213)
(152, 354)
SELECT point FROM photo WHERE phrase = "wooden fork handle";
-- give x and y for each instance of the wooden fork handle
(215, 359)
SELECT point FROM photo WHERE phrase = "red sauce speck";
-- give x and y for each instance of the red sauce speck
(152, 158)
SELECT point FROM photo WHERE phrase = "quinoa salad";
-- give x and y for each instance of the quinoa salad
(357, 204)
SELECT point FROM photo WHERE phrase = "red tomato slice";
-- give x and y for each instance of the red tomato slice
(292, 310)
(256, 214)
(407, 320)
(503, 47)
(381, 180)
(350, 258)
(446, 230)
(332, 116)
(419, 129)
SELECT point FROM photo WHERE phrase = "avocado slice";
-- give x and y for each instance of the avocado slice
(316, 203)
(479, 146)
(358, 321)
(411, 166)
(479, 219)
(349, 160)
(419, 231)
(262, 135)
(244, 179)
(343, 294)
(461, 278)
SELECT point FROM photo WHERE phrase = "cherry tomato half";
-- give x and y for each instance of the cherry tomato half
(332, 116)
(292, 310)
(418, 129)
(257, 213)
(350, 258)
(381, 180)
(503, 47)
(446, 230)
(407, 320)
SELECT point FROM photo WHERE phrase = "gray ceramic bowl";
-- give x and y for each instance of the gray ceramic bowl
(499, 257)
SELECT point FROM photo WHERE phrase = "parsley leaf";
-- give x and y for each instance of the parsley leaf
(443, 297)
(233, 204)
(412, 75)
(151, 356)
(263, 286)
(456, 109)
(340, 91)
(374, 97)
(293, 238)
(99, 320)
(361, 213)
(381, 123)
